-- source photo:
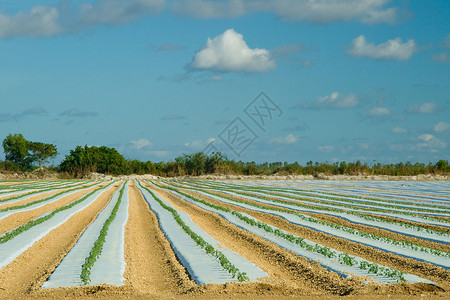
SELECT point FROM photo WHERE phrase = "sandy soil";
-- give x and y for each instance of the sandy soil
(20, 218)
(153, 271)
(26, 273)
(422, 269)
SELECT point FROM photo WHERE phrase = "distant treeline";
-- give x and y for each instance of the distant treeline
(84, 160)
(200, 164)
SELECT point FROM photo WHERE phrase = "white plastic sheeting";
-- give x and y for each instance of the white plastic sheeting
(110, 265)
(202, 267)
(14, 247)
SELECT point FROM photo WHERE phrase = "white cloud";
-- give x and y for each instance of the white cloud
(199, 144)
(326, 11)
(425, 108)
(379, 111)
(229, 52)
(65, 18)
(441, 127)
(398, 130)
(289, 139)
(318, 11)
(442, 57)
(336, 100)
(140, 144)
(428, 143)
(391, 50)
(388, 15)
(426, 137)
(38, 21)
(326, 149)
(69, 17)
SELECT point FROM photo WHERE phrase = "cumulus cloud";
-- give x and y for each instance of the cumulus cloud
(398, 130)
(441, 127)
(391, 50)
(379, 111)
(62, 19)
(289, 139)
(425, 108)
(140, 144)
(229, 52)
(336, 100)
(319, 11)
(67, 17)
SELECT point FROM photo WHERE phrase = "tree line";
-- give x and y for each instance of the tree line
(24, 155)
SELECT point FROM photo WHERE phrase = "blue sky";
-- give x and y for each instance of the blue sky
(345, 80)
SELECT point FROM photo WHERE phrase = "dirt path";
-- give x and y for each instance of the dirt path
(27, 272)
(151, 265)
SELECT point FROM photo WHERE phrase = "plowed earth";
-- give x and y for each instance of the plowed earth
(153, 271)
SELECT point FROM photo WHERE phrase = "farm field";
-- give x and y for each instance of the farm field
(158, 239)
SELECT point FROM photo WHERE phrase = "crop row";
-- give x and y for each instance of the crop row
(368, 217)
(98, 245)
(15, 232)
(209, 249)
(322, 201)
(323, 250)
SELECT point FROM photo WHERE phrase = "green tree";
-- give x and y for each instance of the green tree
(41, 152)
(86, 159)
(15, 147)
(442, 165)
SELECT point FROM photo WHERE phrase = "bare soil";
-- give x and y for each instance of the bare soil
(153, 271)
